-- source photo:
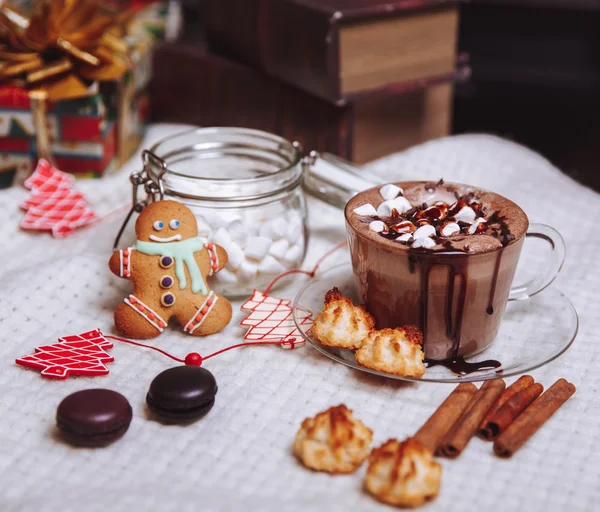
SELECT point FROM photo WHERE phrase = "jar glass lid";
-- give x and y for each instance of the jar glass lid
(228, 163)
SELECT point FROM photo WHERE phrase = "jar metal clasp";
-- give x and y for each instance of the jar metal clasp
(151, 179)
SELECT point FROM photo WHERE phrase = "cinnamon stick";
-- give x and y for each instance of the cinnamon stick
(467, 424)
(533, 418)
(440, 422)
(520, 384)
(503, 417)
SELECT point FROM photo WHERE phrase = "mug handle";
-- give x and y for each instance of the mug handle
(548, 272)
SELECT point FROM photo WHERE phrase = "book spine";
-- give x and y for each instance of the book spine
(288, 40)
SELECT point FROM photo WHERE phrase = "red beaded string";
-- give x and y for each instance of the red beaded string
(195, 359)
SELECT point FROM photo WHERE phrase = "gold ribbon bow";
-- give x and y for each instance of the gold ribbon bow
(59, 52)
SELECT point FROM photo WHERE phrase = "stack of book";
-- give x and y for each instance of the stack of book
(357, 78)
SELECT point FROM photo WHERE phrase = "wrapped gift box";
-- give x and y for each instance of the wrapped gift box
(90, 135)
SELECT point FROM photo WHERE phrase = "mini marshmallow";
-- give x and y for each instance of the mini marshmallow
(247, 270)
(390, 191)
(278, 228)
(400, 204)
(294, 254)
(366, 210)
(406, 237)
(378, 226)
(449, 229)
(270, 265)
(221, 237)
(279, 248)
(212, 218)
(424, 232)
(257, 247)
(466, 214)
(225, 276)
(235, 256)
(294, 217)
(424, 243)
(294, 234)
(273, 229)
(238, 232)
(473, 228)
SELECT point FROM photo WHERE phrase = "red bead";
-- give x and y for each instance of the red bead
(215, 267)
(126, 273)
(213, 257)
(210, 247)
(133, 300)
(209, 302)
(193, 359)
(125, 253)
(204, 311)
(125, 261)
(161, 324)
(151, 316)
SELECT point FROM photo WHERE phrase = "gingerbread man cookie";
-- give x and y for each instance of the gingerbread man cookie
(168, 265)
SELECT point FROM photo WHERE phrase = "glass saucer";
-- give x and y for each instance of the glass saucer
(534, 331)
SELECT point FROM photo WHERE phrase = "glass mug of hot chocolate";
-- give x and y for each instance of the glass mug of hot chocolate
(442, 256)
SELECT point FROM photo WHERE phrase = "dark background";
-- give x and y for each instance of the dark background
(535, 76)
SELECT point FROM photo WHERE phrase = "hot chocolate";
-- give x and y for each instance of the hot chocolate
(441, 256)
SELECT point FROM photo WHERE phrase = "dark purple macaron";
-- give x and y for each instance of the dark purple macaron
(182, 394)
(93, 417)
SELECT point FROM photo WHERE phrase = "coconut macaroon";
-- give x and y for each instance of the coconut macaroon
(341, 323)
(333, 441)
(396, 351)
(403, 473)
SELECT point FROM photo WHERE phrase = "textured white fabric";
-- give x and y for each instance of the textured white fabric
(239, 456)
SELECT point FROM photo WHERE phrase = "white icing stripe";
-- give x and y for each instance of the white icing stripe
(138, 301)
(210, 253)
(208, 297)
(121, 263)
(211, 296)
(129, 253)
(204, 317)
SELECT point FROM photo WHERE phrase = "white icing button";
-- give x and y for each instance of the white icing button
(449, 229)
(225, 276)
(425, 243)
(366, 210)
(378, 226)
(406, 237)
(235, 256)
(400, 204)
(270, 265)
(390, 191)
(279, 248)
(424, 232)
(257, 247)
(466, 214)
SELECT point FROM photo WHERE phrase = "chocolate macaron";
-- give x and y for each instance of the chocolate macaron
(93, 417)
(182, 394)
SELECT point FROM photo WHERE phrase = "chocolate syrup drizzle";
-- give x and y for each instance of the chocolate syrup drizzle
(458, 272)
(462, 367)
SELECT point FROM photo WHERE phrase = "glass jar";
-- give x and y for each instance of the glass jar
(244, 187)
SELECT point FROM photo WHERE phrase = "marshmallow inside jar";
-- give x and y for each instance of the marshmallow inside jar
(244, 186)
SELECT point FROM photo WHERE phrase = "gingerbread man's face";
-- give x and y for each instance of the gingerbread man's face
(166, 221)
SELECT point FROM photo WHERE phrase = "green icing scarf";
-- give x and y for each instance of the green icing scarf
(182, 252)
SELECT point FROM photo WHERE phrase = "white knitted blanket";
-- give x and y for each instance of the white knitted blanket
(239, 456)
